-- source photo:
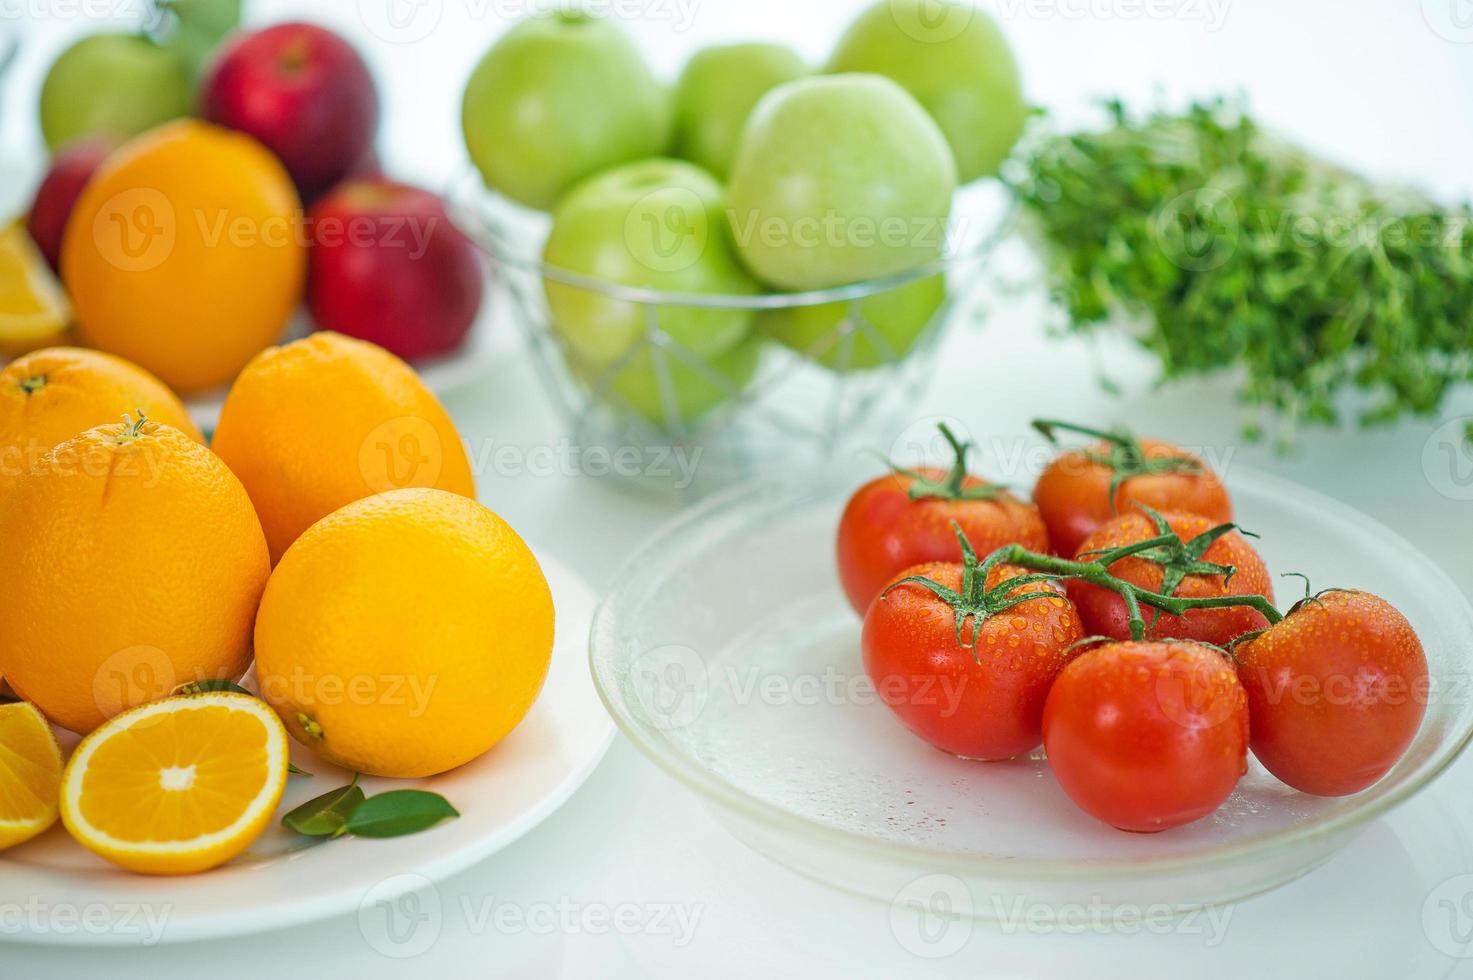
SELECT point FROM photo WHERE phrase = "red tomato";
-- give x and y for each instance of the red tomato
(985, 703)
(1147, 736)
(905, 518)
(1104, 612)
(1336, 692)
(1073, 493)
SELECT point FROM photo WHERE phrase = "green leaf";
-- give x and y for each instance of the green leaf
(207, 686)
(326, 815)
(399, 812)
(296, 770)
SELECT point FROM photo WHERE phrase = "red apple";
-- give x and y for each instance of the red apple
(387, 265)
(303, 92)
(367, 166)
(69, 172)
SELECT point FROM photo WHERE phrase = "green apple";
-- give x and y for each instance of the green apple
(558, 98)
(657, 224)
(695, 391)
(954, 59)
(113, 84)
(839, 179)
(716, 93)
(899, 316)
(196, 28)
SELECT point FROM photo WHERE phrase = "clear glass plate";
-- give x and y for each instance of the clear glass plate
(729, 656)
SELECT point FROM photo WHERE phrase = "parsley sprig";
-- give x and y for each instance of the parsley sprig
(1238, 251)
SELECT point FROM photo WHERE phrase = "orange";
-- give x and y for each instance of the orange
(33, 308)
(134, 563)
(405, 634)
(185, 253)
(321, 422)
(178, 785)
(30, 774)
(51, 395)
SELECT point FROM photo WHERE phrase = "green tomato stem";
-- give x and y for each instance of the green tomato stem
(1097, 572)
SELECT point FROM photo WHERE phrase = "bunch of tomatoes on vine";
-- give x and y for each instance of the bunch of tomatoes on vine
(1124, 622)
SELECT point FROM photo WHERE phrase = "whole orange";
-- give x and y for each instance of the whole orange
(50, 395)
(134, 563)
(326, 420)
(185, 253)
(405, 634)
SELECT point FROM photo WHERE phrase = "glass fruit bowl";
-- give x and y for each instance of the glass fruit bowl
(729, 656)
(849, 361)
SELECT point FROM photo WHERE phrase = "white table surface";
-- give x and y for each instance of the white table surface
(1385, 85)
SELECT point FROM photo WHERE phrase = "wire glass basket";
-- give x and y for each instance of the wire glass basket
(762, 404)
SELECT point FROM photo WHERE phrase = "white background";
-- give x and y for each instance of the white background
(1383, 85)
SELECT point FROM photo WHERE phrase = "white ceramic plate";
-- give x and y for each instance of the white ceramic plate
(730, 657)
(54, 891)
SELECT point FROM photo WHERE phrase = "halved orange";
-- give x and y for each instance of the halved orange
(30, 774)
(177, 785)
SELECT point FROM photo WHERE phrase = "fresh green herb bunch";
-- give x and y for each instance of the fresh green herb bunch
(1237, 250)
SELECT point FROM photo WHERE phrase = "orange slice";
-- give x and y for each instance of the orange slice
(178, 785)
(33, 307)
(30, 774)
